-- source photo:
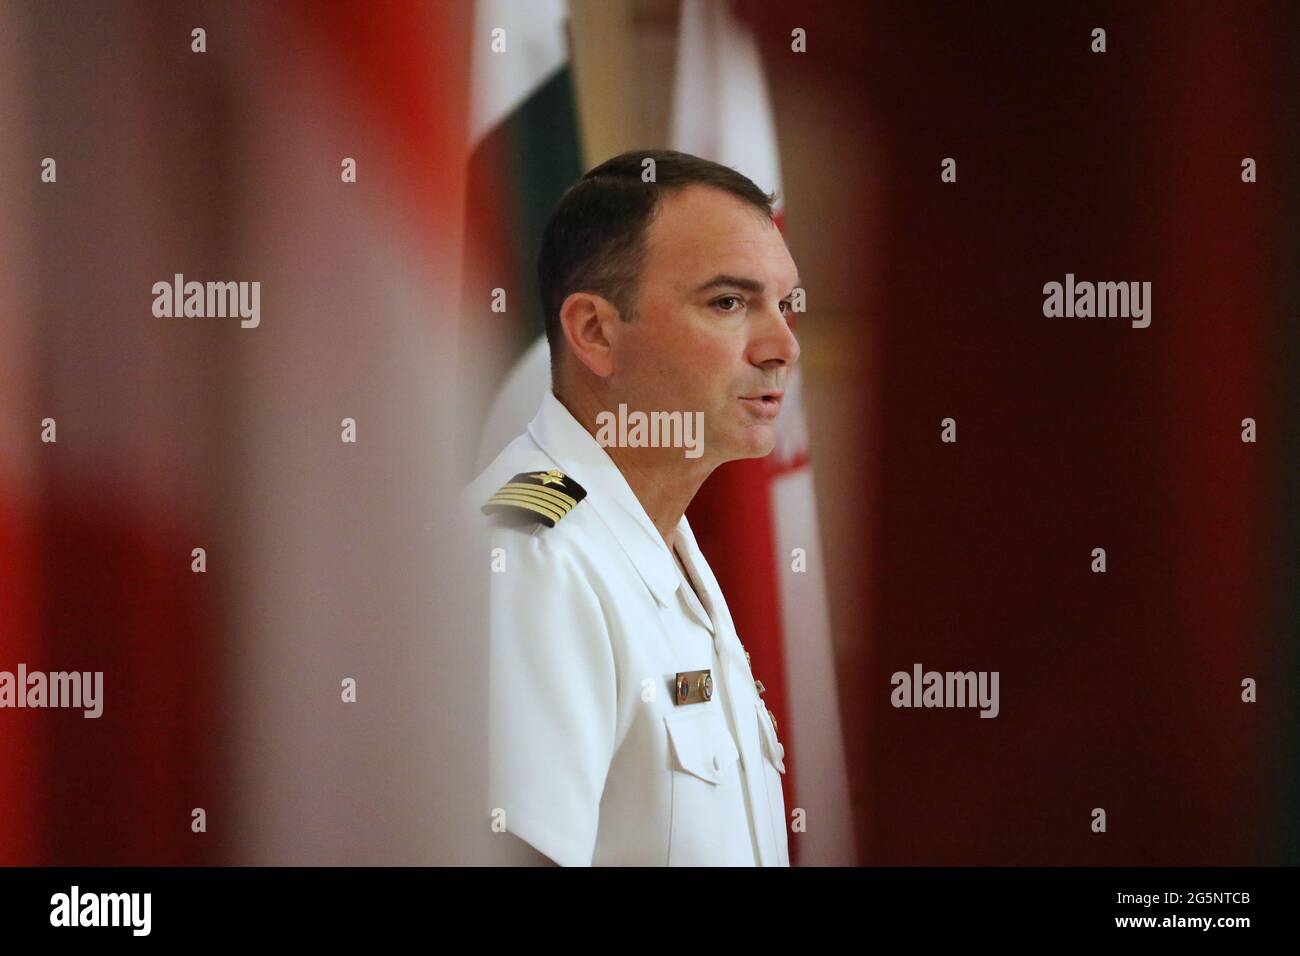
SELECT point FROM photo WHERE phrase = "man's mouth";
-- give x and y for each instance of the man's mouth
(765, 404)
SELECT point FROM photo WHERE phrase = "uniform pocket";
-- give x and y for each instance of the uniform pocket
(708, 822)
(701, 745)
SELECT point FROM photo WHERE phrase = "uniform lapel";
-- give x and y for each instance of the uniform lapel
(577, 453)
(694, 595)
(715, 605)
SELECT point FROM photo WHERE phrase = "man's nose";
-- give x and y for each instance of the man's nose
(774, 341)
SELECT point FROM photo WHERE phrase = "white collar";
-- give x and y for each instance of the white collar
(576, 451)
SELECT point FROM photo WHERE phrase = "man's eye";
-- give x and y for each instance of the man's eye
(728, 298)
(785, 307)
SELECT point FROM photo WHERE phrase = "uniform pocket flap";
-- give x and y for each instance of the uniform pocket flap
(701, 745)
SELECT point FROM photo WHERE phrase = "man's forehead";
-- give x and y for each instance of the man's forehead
(701, 232)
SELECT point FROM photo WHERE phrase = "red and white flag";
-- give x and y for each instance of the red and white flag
(766, 506)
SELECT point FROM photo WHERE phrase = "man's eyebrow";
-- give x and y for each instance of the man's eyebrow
(740, 282)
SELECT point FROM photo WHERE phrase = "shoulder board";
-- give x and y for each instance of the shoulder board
(545, 496)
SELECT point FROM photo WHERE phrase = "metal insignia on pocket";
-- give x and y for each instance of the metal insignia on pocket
(694, 687)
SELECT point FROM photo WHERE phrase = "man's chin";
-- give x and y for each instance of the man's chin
(755, 441)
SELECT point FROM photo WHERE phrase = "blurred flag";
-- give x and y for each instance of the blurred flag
(766, 506)
(96, 524)
(340, 572)
(524, 154)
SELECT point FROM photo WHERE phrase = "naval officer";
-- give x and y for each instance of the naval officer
(626, 726)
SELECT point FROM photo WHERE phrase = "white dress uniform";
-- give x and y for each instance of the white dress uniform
(597, 756)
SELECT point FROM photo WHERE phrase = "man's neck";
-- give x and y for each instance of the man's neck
(663, 479)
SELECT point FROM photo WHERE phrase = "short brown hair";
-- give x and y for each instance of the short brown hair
(595, 238)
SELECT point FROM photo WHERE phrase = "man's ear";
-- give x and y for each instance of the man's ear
(590, 324)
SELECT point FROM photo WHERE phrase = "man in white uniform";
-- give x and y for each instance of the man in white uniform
(626, 727)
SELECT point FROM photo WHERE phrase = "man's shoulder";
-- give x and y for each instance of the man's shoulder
(524, 491)
(522, 451)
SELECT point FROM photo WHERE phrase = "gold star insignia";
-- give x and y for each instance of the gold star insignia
(552, 477)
